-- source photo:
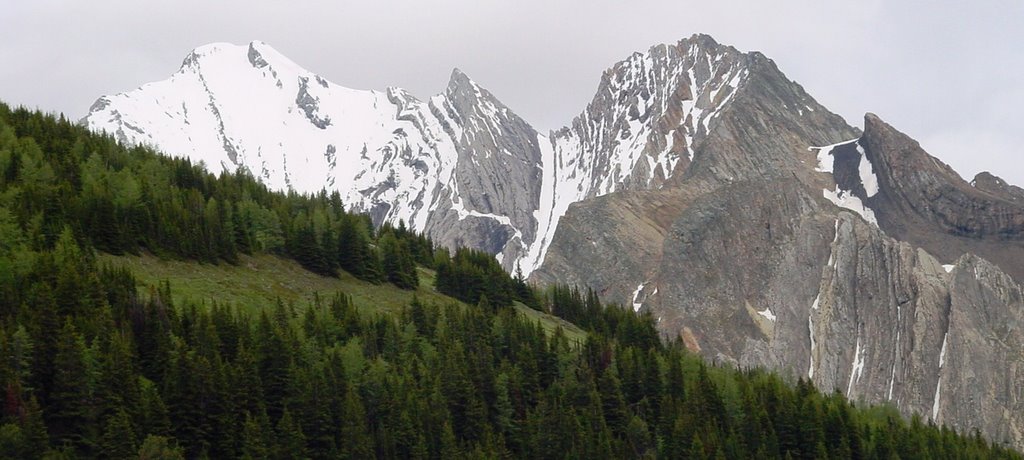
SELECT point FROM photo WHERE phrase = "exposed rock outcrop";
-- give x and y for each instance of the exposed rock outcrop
(924, 202)
(771, 270)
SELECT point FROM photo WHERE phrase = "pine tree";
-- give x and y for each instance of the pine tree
(355, 437)
(118, 437)
(12, 441)
(36, 439)
(154, 419)
(397, 262)
(69, 415)
(612, 402)
(449, 445)
(159, 448)
(504, 412)
(291, 443)
(254, 440)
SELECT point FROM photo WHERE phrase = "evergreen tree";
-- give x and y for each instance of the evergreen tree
(254, 440)
(355, 439)
(291, 443)
(68, 417)
(118, 437)
(397, 262)
(159, 448)
(12, 441)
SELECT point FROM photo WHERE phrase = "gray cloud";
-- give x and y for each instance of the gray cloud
(945, 72)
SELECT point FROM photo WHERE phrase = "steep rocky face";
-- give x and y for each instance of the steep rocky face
(924, 202)
(497, 173)
(762, 135)
(800, 273)
(982, 368)
(671, 114)
(889, 323)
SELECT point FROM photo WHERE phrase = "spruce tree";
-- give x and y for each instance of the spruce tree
(159, 448)
(290, 442)
(119, 439)
(68, 414)
(355, 437)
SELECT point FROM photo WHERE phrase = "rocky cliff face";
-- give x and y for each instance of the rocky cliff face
(762, 136)
(803, 272)
(923, 201)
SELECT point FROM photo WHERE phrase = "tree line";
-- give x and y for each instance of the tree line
(91, 368)
(56, 175)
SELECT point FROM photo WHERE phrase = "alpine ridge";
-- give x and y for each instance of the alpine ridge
(700, 185)
(460, 166)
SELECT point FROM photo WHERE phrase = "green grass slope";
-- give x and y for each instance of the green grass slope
(258, 281)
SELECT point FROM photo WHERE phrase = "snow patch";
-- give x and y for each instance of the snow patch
(831, 248)
(896, 350)
(938, 385)
(942, 352)
(767, 313)
(948, 267)
(858, 366)
(825, 160)
(810, 331)
(272, 119)
(846, 199)
(935, 401)
(867, 173)
(599, 153)
(637, 301)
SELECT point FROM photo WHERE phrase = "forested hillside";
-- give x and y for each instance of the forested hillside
(58, 176)
(92, 368)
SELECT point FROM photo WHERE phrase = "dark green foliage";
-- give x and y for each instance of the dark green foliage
(397, 261)
(435, 382)
(55, 176)
(159, 448)
(470, 275)
(119, 437)
(354, 252)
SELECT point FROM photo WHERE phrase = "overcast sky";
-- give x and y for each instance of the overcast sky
(948, 73)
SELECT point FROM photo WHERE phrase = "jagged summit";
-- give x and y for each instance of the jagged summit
(461, 153)
(459, 79)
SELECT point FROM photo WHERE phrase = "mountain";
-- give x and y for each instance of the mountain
(241, 354)
(460, 166)
(700, 185)
(864, 265)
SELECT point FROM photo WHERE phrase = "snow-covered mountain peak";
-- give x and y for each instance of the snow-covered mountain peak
(461, 156)
(459, 165)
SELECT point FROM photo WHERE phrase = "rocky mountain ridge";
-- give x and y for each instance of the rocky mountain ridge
(460, 166)
(805, 274)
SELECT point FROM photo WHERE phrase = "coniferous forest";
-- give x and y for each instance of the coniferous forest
(90, 367)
